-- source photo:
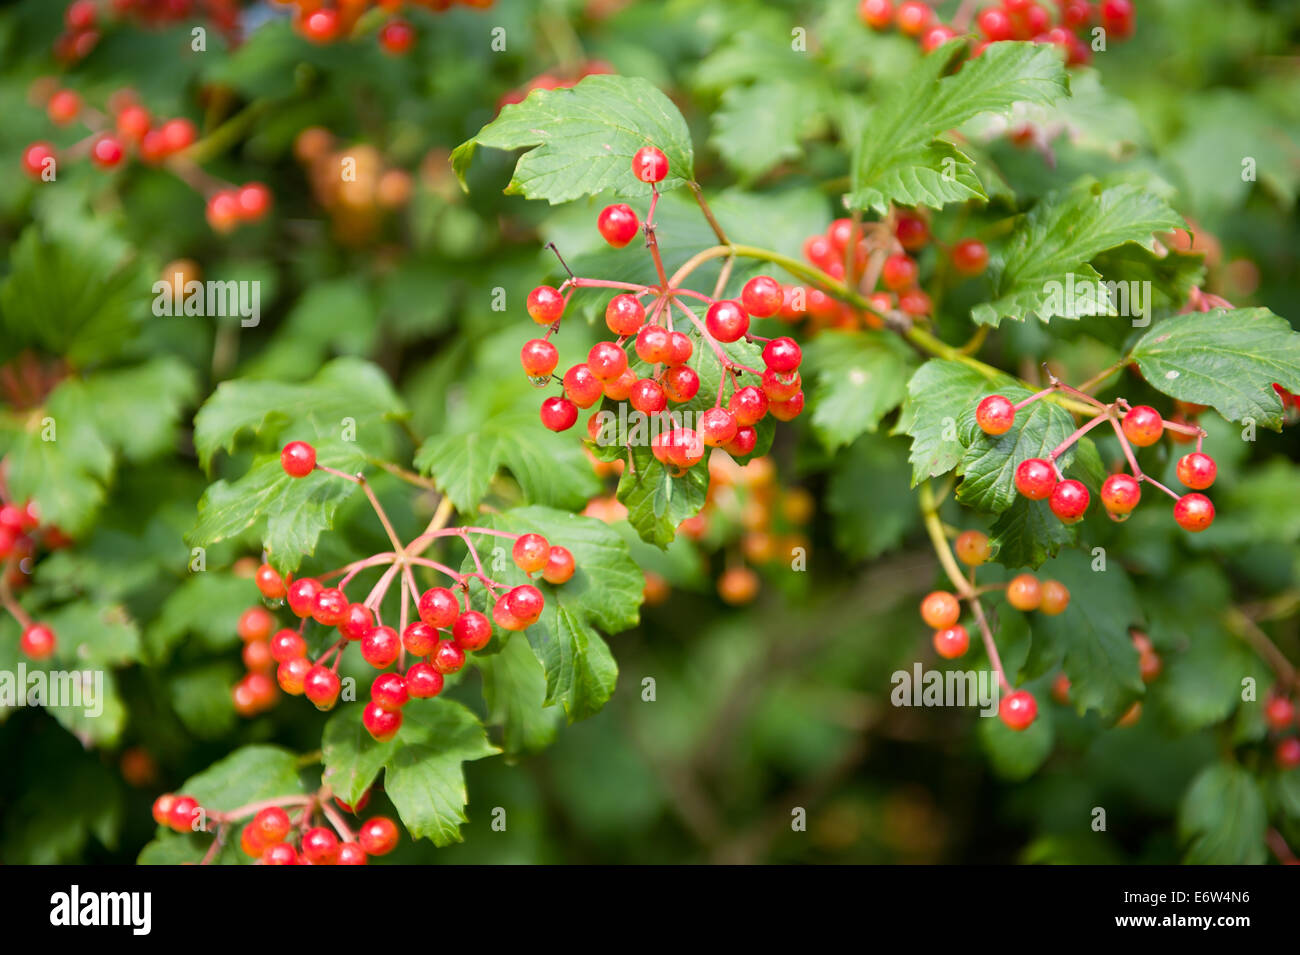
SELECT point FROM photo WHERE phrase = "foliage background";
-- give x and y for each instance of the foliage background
(780, 704)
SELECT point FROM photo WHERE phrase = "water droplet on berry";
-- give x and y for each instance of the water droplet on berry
(541, 381)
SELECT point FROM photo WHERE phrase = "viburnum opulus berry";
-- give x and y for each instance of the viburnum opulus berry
(1197, 470)
(940, 610)
(951, 642)
(539, 358)
(972, 548)
(302, 595)
(1018, 710)
(899, 272)
(545, 304)
(995, 415)
(1054, 598)
(321, 685)
(472, 631)
(970, 257)
(1120, 494)
(559, 414)
(1143, 425)
(727, 321)
(530, 552)
(1279, 712)
(298, 458)
(37, 641)
(382, 724)
(649, 164)
(423, 681)
(1024, 592)
(1069, 501)
(1194, 512)
(618, 224)
(1035, 478)
(378, 836)
(762, 296)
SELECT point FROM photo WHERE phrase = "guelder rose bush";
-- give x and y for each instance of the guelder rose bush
(890, 291)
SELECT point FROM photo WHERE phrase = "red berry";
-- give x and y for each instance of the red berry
(397, 36)
(912, 231)
(302, 596)
(447, 657)
(545, 305)
(525, 603)
(539, 358)
(940, 610)
(504, 619)
(357, 622)
(718, 427)
(38, 641)
(951, 642)
(298, 459)
(321, 686)
(1117, 17)
(37, 157)
(914, 302)
(995, 415)
(292, 675)
(530, 552)
(680, 383)
(780, 386)
(286, 645)
(972, 548)
(63, 107)
(106, 152)
(438, 607)
(80, 15)
(558, 570)
(380, 723)
(970, 256)
(680, 348)
(743, 443)
(178, 134)
(582, 386)
(647, 397)
(1197, 470)
(1143, 425)
(559, 414)
(223, 210)
(749, 405)
(618, 224)
(607, 361)
(913, 17)
(253, 199)
(624, 315)
(726, 321)
(762, 296)
(654, 344)
(321, 26)
(378, 836)
(380, 647)
(162, 809)
(330, 608)
(649, 164)
(899, 272)
(350, 853)
(183, 813)
(685, 448)
(419, 638)
(255, 623)
(389, 691)
(1194, 512)
(1035, 478)
(1120, 493)
(279, 854)
(1018, 710)
(935, 37)
(782, 354)
(271, 824)
(472, 631)
(269, 582)
(1279, 712)
(153, 146)
(423, 682)
(1069, 501)
(820, 251)
(994, 24)
(257, 656)
(877, 14)
(1287, 754)
(320, 846)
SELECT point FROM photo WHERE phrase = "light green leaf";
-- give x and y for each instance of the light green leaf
(860, 377)
(351, 756)
(514, 686)
(1222, 818)
(936, 395)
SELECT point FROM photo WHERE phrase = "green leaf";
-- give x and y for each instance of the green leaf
(657, 501)
(1222, 818)
(514, 686)
(988, 467)
(249, 774)
(869, 498)
(137, 409)
(201, 698)
(1226, 359)
(206, 606)
(347, 397)
(94, 636)
(424, 778)
(585, 138)
(288, 513)
(758, 127)
(1028, 533)
(936, 395)
(899, 157)
(1017, 755)
(1044, 270)
(351, 756)
(860, 377)
(605, 592)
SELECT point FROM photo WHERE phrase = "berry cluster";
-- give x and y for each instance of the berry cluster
(664, 350)
(879, 260)
(941, 611)
(332, 22)
(446, 627)
(1009, 20)
(21, 537)
(1280, 716)
(1136, 426)
(270, 835)
(356, 203)
(82, 20)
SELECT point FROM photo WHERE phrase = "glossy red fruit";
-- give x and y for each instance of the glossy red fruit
(559, 414)
(36, 158)
(649, 164)
(820, 251)
(995, 415)
(185, 810)
(1018, 710)
(1279, 712)
(298, 459)
(378, 836)
(1120, 494)
(223, 210)
(380, 647)
(302, 595)
(647, 397)
(330, 608)
(726, 321)
(447, 657)
(503, 618)
(935, 37)
(525, 603)
(322, 686)
(63, 107)
(952, 642)
(178, 134)
(749, 405)
(38, 641)
(624, 315)
(1287, 753)
(912, 231)
(1035, 479)
(257, 656)
(899, 272)
(397, 36)
(380, 723)
(1069, 501)
(681, 383)
(782, 354)
(606, 361)
(914, 302)
(621, 387)
(877, 14)
(1143, 425)
(539, 358)
(558, 570)
(423, 682)
(780, 386)
(762, 296)
(994, 23)
(472, 631)
(618, 224)
(321, 26)
(255, 623)
(351, 853)
(286, 645)
(545, 305)
(280, 854)
(106, 152)
(1197, 470)
(269, 582)
(583, 386)
(419, 638)
(789, 409)
(717, 427)
(940, 610)
(389, 691)
(320, 846)
(913, 17)
(1117, 16)
(291, 675)
(438, 607)
(970, 257)
(1194, 512)
(743, 443)
(530, 552)
(357, 622)
(654, 344)
(162, 809)
(254, 200)
(271, 824)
